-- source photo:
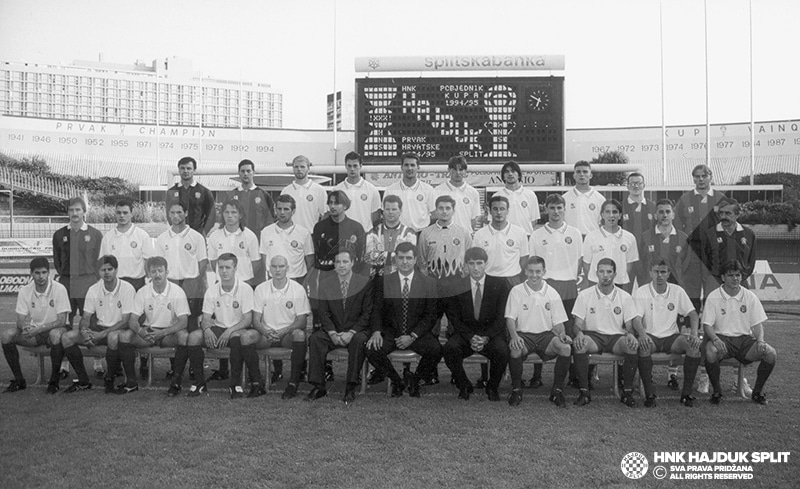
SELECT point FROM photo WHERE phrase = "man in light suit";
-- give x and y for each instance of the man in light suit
(477, 317)
(404, 316)
(345, 306)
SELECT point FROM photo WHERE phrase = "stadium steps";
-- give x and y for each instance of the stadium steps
(28, 182)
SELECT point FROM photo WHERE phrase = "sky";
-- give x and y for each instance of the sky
(305, 48)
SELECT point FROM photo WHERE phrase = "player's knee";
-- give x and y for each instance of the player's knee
(8, 335)
(644, 353)
(55, 335)
(563, 349)
(195, 338)
(235, 341)
(770, 355)
(298, 335)
(712, 354)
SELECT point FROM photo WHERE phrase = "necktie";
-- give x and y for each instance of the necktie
(476, 306)
(405, 305)
(344, 294)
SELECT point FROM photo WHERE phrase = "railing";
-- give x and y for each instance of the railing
(28, 182)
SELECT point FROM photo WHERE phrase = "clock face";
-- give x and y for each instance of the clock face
(539, 100)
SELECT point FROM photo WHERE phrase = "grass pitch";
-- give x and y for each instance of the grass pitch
(145, 439)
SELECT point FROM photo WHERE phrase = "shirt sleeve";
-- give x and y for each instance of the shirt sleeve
(211, 248)
(512, 305)
(208, 302)
(640, 301)
(247, 297)
(579, 309)
(89, 302)
(557, 312)
(629, 309)
(179, 303)
(22, 306)
(127, 295)
(61, 299)
(138, 302)
(252, 246)
(632, 254)
(302, 306)
(201, 249)
(710, 312)
(757, 315)
(685, 305)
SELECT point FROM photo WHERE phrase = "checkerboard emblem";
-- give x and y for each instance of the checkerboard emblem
(651, 248)
(544, 242)
(524, 204)
(567, 240)
(257, 200)
(87, 238)
(592, 207)
(624, 217)
(690, 209)
(547, 306)
(295, 244)
(420, 197)
(176, 194)
(743, 309)
(601, 248)
(456, 241)
(235, 304)
(187, 247)
(623, 248)
(510, 242)
(119, 304)
(744, 241)
(617, 310)
(218, 304)
(722, 311)
(309, 198)
(52, 303)
(134, 244)
(591, 310)
(719, 239)
(235, 197)
(466, 200)
(66, 239)
(671, 306)
(634, 465)
(649, 216)
(241, 244)
(289, 304)
(363, 196)
(571, 206)
(678, 249)
(197, 195)
(101, 302)
(524, 307)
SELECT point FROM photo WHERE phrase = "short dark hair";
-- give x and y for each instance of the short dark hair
(228, 257)
(176, 202)
(246, 162)
(287, 199)
(409, 156)
(634, 174)
(124, 203)
(660, 263)
(405, 247)
(350, 252)
(354, 156)
(475, 253)
(340, 198)
(613, 202)
(39, 262)
(157, 261)
(445, 198)
(730, 201)
(607, 261)
(665, 202)
(456, 163)
(731, 266)
(108, 260)
(555, 199)
(536, 260)
(187, 159)
(393, 198)
(499, 198)
(580, 163)
(239, 208)
(513, 166)
(77, 200)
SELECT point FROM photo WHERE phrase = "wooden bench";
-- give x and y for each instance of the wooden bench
(41, 352)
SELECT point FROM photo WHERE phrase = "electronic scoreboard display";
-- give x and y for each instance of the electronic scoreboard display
(484, 119)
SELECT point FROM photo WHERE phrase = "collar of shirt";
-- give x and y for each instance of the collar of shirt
(113, 291)
(307, 185)
(288, 230)
(530, 291)
(638, 204)
(606, 234)
(462, 188)
(739, 228)
(654, 293)
(193, 184)
(403, 278)
(359, 184)
(348, 279)
(403, 186)
(603, 297)
(46, 290)
(274, 289)
(738, 297)
(84, 227)
(234, 290)
(241, 188)
(235, 233)
(128, 233)
(551, 230)
(710, 192)
(181, 234)
(444, 227)
(474, 284)
(582, 194)
(162, 294)
(505, 230)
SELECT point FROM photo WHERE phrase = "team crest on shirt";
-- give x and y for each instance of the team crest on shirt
(649, 217)
(33, 305)
(218, 304)
(235, 304)
(524, 307)
(289, 304)
(363, 196)
(420, 197)
(257, 200)
(617, 310)
(571, 205)
(744, 241)
(591, 310)
(671, 306)
(294, 243)
(466, 200)
(651, 248)
(719, 239)
(547, 306)
(219, 246)
(309, 198)
(119, 304)
(743, 309)
(623, 248)
(197, 195)
(486, 244)
(150, 307)
(678, 249)
(600, 248)
(352, 238)
(235, 197)
(592, 207)
(690, 209)
(544, 242)
(134, 244)
(722, 311)
(176, 194)
(188, 247)
(87, 238)
(567, 240)
(524, 204)
(624, 217)
(716, 208)
(66, 239)
(456, 241)
(241, 244)
(52, 303)
(169, 306)
(510, 242)
(101, 302)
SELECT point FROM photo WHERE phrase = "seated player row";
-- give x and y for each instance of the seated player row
(401, 314)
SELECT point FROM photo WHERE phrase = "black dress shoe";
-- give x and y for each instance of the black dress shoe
(492, 394)
(535, 383)
(515, 398)
(398, 388)
(316, 393)
(413, 388)
(463, 393)
(481, 383)
(376, 377)
(349, 394)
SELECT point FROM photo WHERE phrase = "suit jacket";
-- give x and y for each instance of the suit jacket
(461, 310)
(358, 310)
(422, 305)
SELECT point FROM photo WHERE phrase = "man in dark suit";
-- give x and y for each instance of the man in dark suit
(403, 319)
(477, 317)
(345, 306)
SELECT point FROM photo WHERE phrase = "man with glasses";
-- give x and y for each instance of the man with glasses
(638, 216)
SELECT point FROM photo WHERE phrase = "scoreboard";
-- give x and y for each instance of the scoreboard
(487, 120)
